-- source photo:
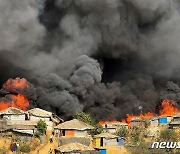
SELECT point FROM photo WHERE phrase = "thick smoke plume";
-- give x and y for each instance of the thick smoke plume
(104, 57)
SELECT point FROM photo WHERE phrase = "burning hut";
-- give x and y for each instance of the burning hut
(75, 148)
(105, 139)
(74, 128)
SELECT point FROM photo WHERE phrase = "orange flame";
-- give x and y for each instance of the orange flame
(106, 122)
(168, 108)
(17, 83)
(19, 100)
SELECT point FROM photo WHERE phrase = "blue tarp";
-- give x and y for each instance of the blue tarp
(121, 141)
(101, 150)
(163, 120)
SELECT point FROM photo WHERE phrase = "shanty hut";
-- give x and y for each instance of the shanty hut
(135, 122)
(169, 119)
(175, 123)
(75, 148)
(13, 114)
(74, 128)
(37, 114)
(113, 127)
(105, 139)
(154, 122)
(176, 117)
(109, 128)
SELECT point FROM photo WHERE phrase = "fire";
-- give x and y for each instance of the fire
(168, 108)
(15, 84)
(141, 116)
(18, 100)
(106, 122)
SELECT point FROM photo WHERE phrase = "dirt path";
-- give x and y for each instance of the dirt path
(44, 149)
(116, 150)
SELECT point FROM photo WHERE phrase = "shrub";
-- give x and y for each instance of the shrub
(24, 147)
(41, 128)
(168, 135)
(123, 132)
(3, 150)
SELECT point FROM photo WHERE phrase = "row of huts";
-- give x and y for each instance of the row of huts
(172, 121)
(16, 121)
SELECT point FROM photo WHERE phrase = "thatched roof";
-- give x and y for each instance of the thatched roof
(39, 112)
(74, 147)
(12, 111)
(75, 125)
(105, 135)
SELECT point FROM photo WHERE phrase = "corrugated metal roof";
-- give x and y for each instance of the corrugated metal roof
(74, 147)
(106, 135)
(39, 112)
(74, 124)
(12, 111)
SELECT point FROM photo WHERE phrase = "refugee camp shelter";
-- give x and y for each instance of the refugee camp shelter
(75, 148)
(105, 139)
(176, 117)
(13, 114)
(113, 127)
(135, 122)
(175, 123)
(154, 122)
(37, 114)
(74, 128)
(109, 128)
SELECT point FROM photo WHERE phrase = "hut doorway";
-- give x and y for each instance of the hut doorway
(101, 141)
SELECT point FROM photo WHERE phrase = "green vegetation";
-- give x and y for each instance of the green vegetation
(123, 132)
(136, 137)
(89, 120)
(168, 135)
(25, 148)
(3, 150)
(41, 128)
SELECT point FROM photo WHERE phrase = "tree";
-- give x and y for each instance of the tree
(41, 128)
(123, 132)
(86, 118)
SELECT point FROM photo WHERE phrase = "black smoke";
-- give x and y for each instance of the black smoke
(104, 57)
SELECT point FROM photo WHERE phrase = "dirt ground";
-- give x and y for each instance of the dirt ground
(116, 150)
